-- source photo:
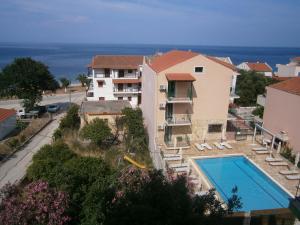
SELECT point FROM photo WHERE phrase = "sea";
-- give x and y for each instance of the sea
(69, 60)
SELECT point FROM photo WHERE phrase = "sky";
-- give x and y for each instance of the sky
(187, 22)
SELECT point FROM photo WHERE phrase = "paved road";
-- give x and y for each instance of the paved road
(76, 97)
(14, 169)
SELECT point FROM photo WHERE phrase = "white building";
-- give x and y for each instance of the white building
(291, 69)
(115, 77)
(7, 122)
(263, 68)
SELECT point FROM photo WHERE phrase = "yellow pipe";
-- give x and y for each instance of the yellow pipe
(141, 166)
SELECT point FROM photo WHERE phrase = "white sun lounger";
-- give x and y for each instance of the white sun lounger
(226, 145)
(288, 172)
(271, 159)
(193, 177)
(177, 165)
(206, 145)
(279, 164)
(200, 147)
(170, 155)
(194, 181)
(181, 169)
(262, 152)
(293, 177)
(259, 149)
(174, 158)
(218, 146)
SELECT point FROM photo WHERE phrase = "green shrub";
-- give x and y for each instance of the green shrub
(98, 132)
(57, 134)
(13, 142)
(259, 111)
(71, 120)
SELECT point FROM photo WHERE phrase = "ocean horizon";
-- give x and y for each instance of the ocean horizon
(70, 59)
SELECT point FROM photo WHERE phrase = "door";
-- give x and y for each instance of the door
(121, 73)
(169, 112)
(168, 135)
(171, 89)
(120, 87)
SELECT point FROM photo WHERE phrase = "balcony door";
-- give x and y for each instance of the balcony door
(169, 112)
(171, 89)
(120, 87)
(121, 73)
(168, 134)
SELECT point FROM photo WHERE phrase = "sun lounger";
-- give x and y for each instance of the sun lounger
(193, 177)
(194, 181)
(293, 177)
(288, 172)
(279, 164)
(174, 158)
(177, 165)
(259, 149)
(226, 145)
(218, 146)
(206, 145)
(262, 152)
(271, 159)
(181, 169)
(200, 147)
(170, 155)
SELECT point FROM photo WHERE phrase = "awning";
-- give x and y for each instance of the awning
(180, 77)
(126, 81)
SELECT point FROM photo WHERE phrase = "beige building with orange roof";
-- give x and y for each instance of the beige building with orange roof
(185, 98)
(282, 111)
(116, 77)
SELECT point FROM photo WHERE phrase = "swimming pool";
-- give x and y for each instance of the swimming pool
(256, 189)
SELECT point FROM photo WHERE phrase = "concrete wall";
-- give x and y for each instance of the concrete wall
(288, 70)
(282, 114)
(7, 126)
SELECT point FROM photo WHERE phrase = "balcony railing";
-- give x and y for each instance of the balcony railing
(127, 90)
(178, 141)
(180, 98)
(179, 120)
(127, 76)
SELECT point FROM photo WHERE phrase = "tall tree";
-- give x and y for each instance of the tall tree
(82, 78)
(26, 79)
(65, 83)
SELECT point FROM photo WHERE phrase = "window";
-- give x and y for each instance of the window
(101, 98)
(100, 83)
(298, 74)
(129, 85)
(214, 128)
(129, 71)
(129, 98)
(107, 72)
(199, 69)
(121, 73)
(120, 98)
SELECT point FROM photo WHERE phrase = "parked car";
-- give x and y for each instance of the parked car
(53, 108)
(21, 113)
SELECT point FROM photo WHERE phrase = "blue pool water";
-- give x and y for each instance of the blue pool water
(256, 189)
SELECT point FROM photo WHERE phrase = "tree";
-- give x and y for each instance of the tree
(65, 83)
(37, 203)
(259, 111)
(26, 79)
(149, 197)
(249, 85)
(71, 120)
(136, 137)
(82, 78)
(98, 132)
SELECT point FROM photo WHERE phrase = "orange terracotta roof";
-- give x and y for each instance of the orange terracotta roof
(296, 59)
(180, 77)
(291, 86)
(116, 61)
(259, 67)
(228, 65)
(169, 59)
(6, 113)
(126, 81)
(281, 78)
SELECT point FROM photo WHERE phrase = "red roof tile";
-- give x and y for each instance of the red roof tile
(291, 86)
(116, 61)
(180, 77)
(126, 81)
(169, 59)
(228, 65)
(260, 67)
(6, 113)
(296, 59)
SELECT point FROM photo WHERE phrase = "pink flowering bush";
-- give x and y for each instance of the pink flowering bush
(37, 203)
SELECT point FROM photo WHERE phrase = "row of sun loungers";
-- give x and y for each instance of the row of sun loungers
(221, 146)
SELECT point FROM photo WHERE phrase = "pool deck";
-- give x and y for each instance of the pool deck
(245, 148)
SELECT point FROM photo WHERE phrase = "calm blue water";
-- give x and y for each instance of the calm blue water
(70, 59)
(254, 187)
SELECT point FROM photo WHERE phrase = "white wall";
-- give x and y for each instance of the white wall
(243, 66)
(287, 70)
(7, 126)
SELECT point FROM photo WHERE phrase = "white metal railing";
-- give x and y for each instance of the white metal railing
(178, 119)
(127, 90)
(127, 76)
(178, 141)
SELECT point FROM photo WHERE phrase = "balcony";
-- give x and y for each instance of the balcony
(128, 76)
(127, 90)
(179, 120)
(176, 142)
(179, 100)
